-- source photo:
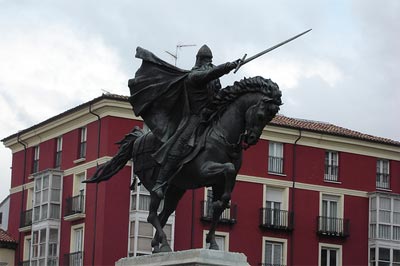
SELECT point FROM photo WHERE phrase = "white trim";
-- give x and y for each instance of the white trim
(274, 239)
(217, 233)
(332, 246)
(330, 142)
(299, 185)
(72, 237)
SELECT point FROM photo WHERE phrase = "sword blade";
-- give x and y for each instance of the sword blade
(241, 63)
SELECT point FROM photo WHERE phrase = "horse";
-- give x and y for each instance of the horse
(240, 113)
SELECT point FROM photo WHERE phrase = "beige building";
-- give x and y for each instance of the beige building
(7, 249)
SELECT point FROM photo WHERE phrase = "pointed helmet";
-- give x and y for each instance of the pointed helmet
(204, 51)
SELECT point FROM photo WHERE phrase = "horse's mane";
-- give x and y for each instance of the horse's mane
(256, 84)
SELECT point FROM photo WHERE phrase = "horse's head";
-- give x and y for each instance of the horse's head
(257, 116)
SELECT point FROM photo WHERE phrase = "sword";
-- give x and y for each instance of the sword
(245, 61)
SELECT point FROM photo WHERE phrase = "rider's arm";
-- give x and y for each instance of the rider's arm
(205, 76)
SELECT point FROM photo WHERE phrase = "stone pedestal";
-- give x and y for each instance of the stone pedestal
(193, 257)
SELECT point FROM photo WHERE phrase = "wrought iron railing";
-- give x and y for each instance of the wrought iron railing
(75, 205)
(382, 181)
(276, 219)
(26, 218)
(74, 259)
(331, 173)
(228, 215)
(275, 165)
(329, 226)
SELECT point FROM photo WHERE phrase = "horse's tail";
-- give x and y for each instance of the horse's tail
(124, 154)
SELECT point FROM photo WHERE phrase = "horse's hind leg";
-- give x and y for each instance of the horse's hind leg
(153, 219)
(172, 196)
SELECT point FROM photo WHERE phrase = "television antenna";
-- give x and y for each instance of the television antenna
(178, 47)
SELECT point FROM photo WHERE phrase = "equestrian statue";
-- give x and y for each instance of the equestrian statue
(198, 132)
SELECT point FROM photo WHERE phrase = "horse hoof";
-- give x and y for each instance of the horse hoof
(156, 249)
(214, 246)
(165, 248)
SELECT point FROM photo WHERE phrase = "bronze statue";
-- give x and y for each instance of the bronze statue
(198, 132)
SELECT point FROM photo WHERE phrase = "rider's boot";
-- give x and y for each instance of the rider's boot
(162, 179)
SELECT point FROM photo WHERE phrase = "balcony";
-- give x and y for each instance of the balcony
(271, 264)
(331, 173)
(276, 219)
(382, 181)
(74, 259)
(275, 165)
(26, 221)
(75, 208)
(335, 227)
(229, 216)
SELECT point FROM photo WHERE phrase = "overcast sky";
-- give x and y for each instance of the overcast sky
(55, 55)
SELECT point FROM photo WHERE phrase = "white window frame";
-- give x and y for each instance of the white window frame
(330, 246)
(59, 145)
(72, 246)
(36, 157)
(82, 142)
(380, 171)
(224, 235)
(275, 151)
(283, 241)
(331, 162)
(27, 248)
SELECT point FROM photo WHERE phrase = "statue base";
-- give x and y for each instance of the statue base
(192, 257)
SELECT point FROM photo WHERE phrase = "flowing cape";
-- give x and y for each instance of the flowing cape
(158, 95)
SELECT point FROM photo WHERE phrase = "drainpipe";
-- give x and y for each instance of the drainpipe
(97, 184)
(22, 200)
(293, 193)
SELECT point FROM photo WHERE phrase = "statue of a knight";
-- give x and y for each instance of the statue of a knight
(173, 102)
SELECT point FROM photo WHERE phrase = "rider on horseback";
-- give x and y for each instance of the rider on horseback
(197, 88)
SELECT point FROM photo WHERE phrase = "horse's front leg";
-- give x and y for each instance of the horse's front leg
(161, 237)
(212, 170)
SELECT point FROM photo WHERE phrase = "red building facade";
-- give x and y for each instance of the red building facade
(309, 193)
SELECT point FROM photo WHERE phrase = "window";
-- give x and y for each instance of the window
(331, 166)
(275, 158)
(273, 206)
(331, 221)
(274, 251)
(82, 145)
(47, 192)
(384, 221)
(45, 246)
(36, 154)
(382, 174)
(27, 248)
(58, 152)
(1, 218)
(222, 239)
(384, 256)
(329, 256)
(75, 257)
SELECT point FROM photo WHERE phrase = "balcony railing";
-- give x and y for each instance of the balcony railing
(271, 264)
(328, 226)
(276, 219)
(331, 173)
(382, 181)
(75, 205)
(228, 215)
(24, 263)
(74, 259)
(275, 165)
(26, 218)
